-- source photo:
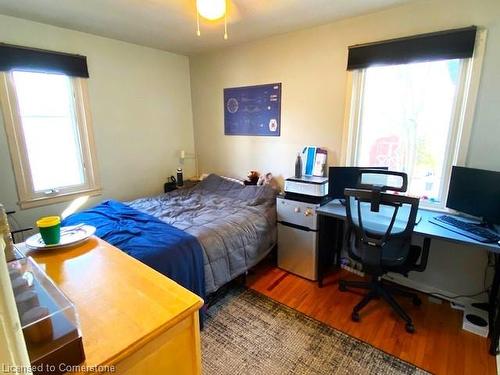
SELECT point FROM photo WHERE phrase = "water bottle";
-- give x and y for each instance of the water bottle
(5, 234)
(298, 166)
(180, 180)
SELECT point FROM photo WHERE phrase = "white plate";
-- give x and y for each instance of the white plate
(70, 236)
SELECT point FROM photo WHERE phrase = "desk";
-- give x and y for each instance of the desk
(333, 214)
(131, 316)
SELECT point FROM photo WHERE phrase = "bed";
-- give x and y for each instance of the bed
(234, 227)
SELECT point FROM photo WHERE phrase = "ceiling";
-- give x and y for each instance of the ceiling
(171, 24)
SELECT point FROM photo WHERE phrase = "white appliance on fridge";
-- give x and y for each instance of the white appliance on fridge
(297, 237)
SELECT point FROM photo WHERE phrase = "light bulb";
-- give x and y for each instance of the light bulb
(211, 9)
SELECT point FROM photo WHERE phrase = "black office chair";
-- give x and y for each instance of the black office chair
(379, 230)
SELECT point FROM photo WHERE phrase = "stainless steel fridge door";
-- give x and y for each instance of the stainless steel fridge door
(297, 251)
(299, 213)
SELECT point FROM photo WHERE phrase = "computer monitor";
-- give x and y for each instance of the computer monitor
(475, 192)
(340, 178)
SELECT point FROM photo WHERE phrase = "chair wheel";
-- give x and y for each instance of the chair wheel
(417, 301)
(355, 317)
(342, 286)
(410, 328)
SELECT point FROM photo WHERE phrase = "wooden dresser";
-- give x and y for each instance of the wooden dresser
(131, 316)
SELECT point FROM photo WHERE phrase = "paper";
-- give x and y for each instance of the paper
(320, 162)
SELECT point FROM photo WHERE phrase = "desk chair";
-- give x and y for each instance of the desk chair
(379, 230)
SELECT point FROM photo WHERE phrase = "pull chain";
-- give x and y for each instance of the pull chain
(198, 32)
(225, 26)
(198, 23)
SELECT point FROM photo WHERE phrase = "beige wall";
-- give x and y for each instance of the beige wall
(311, 65)
(141, 106)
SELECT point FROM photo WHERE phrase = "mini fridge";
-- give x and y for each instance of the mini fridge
(297, 237)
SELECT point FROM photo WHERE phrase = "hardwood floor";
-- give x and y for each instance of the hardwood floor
(439, 345)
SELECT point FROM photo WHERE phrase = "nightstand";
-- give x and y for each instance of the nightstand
(188, 184)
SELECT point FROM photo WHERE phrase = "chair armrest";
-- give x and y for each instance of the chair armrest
(425, 256)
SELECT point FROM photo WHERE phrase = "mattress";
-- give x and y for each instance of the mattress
(235, 224)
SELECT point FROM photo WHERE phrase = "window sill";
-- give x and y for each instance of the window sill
(430, 207)
(45, 201)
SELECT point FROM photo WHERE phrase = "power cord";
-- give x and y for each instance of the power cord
(457, 296)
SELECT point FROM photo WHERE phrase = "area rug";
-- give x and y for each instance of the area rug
(248, 333)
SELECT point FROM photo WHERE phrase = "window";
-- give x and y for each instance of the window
(50, 139)
(413, 117)
(406, 121)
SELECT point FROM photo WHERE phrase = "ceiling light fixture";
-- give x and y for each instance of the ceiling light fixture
(211, 10)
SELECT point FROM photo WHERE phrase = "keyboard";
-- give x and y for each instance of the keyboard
(466, 229)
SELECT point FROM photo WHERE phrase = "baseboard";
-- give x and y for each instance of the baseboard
(428, 289)
(355, 268)
(352, 270)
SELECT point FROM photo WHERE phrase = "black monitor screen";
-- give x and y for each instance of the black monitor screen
(340, 178)
(475, 192)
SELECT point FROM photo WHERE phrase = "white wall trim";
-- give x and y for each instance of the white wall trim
(470, 97)
(28, 197)
(351, 116)
(428, 289)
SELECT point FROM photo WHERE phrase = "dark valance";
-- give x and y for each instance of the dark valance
(38, 60)
(441, 45)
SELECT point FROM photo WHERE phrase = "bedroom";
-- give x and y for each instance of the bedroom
(153, 93)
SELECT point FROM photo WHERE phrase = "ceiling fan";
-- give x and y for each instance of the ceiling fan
(214, 10)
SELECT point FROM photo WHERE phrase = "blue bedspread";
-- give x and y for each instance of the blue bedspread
(168, 250)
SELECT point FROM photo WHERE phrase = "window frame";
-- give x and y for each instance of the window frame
(28, 197)
(461, 120)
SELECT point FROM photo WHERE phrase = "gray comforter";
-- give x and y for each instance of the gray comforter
(235, 224)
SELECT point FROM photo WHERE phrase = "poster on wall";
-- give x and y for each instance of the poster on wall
(253, 110)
